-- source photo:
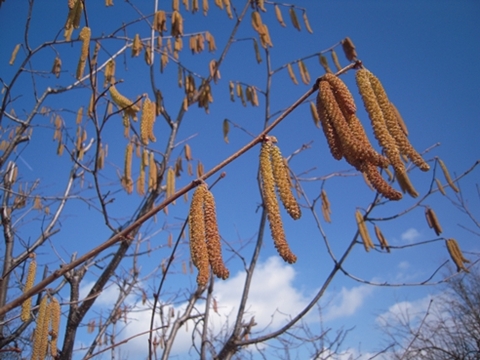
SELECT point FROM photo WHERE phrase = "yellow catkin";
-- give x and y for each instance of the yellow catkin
(160, 21)
(349, 49)
(456, 255)
(342, 94)
(324, 62)
(55, 312)
(127, 181)
(122, 102)
(304, 72)
(278, 14)
(381, 239)
(306, 22)
(392, 124)
(14, 54)
(386, 141)
(362, 229)
(147, 121)
(177, 24)
(170, 191)
(331, 135)
(440, 187)
(152, 172)
(432, 220)
(326, 210)
(335, 60)
(211, 42)
(282, 181)
(405, 184)
(40, 340)
(109, 73)
(271, 204)
(137, 46)
(84, 36)
(294, 19)
(27, 304)
(292, 74)
(447, 175)
(378, 182)
(198, 246)
(141, 178)
(212, 237)
(400, 121)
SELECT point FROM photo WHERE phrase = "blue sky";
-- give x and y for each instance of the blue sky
(426, 56)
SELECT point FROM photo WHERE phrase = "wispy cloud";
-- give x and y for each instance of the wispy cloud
(410, 311)
(410, 235)
(347, 302)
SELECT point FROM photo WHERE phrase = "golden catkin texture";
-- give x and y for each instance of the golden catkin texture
(335, 60)
(160, 21)
(447, 176)
(278, 14)
(432, 220)
(137, 46)
(331, 135)
(342, 94)
(152, 172)
(122, 102)
(40, 340)
(85, 34)
(405, 184)
(353, 149)
(294, 18)
(362, 229)
(73, 18)
(304, 72)
(378, 182)
(326, 210)
(440, 187)
(57, 67)
(109, 73)
(27, 304)
(55, 312)
(271, 204)
(282, 181)
(457, 255)
(198, 246)
(381, 239)
(14, 54)
(400, 121)
(349, 49)
(147, 120)
(177, 24)
(292, 74)
(213, 237)
(393, 125)
(386, 141)
(306, 22)
(170, 190)
(127, 181)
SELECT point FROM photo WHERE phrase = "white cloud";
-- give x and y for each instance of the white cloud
(410, 311)
(410, 235)
(107, 297)
(347, 302)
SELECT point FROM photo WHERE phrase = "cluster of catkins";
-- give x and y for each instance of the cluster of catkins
(205, 247)
(346, 136)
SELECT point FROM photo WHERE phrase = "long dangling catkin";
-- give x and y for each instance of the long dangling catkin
(378, 182)
(55, 313)
(282, 181)
(294, 19)
(326, 210)
(85, 34)
(147, 120)
(342, 94)
(374, 111)
(349, 49)
(381, 239)
(331, 135)
(405, 184)
(127, 181)
(271, 204)
(362, 229)
(440, 187)
(121, 101)
(212, 237)
(14, 54)
(27, 304)
(456, 255)
(392, 124)
(278, 14)
(152, 172)
(447, 175)
(40, 340)
(432, 220)
(198, 246)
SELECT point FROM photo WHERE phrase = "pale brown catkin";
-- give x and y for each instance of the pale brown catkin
(271, 204)
(55, 312)
(362, 229)
(27, 304)
(212, 237)
(198, 246)
(447, 176)
(381, 239)
(282, 181)
(456, 255)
